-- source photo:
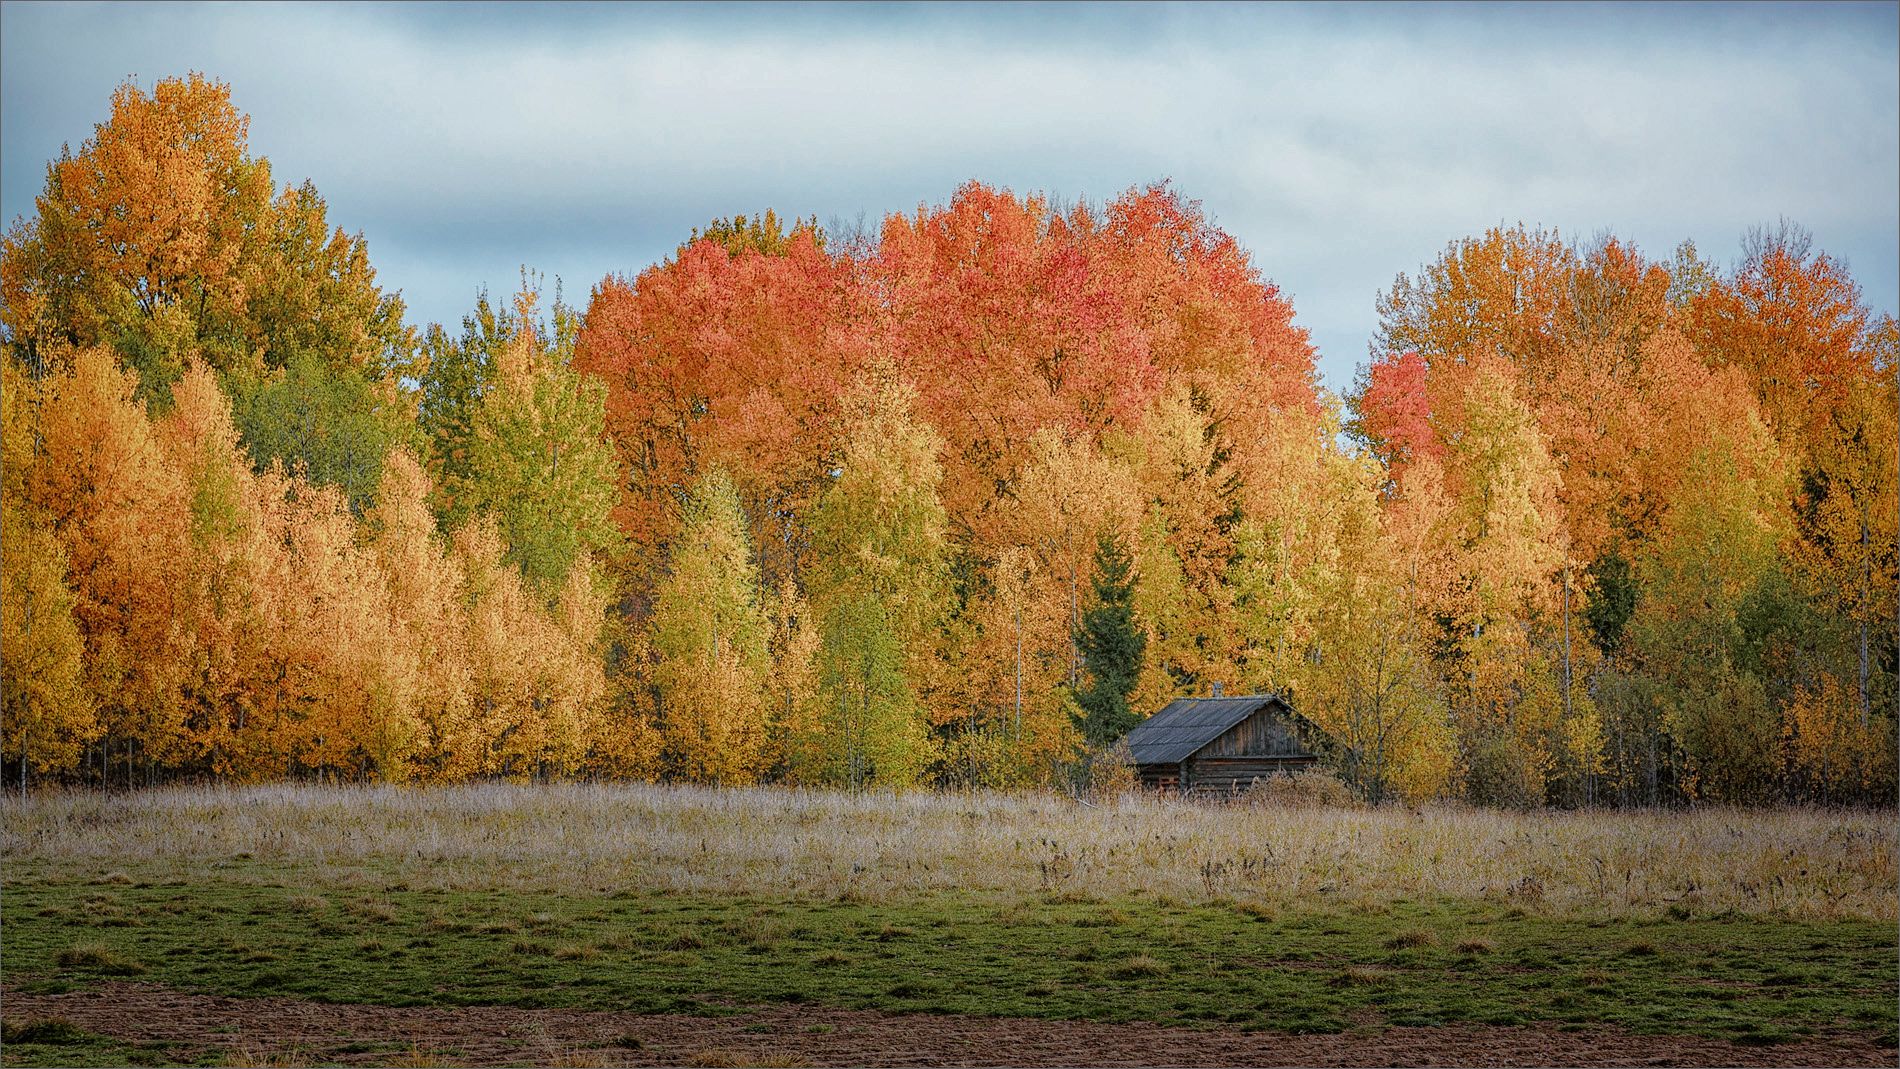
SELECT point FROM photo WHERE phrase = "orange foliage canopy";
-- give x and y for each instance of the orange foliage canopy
(1010, 317)
(716, 360)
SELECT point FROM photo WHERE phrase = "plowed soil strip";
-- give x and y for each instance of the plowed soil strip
(262, 1028)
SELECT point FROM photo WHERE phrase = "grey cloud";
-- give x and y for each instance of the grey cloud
(1342, 144)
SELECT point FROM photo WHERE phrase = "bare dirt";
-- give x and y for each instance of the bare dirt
(279, 1031)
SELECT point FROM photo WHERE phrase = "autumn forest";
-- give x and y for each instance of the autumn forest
(952, 500)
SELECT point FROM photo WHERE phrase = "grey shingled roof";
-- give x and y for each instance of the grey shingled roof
(1187, 724)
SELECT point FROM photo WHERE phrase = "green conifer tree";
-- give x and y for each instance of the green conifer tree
(1112, 646)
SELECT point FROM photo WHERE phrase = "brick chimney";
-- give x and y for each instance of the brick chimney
(1217, 691)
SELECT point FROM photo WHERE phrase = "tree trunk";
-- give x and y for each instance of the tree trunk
(1566, 640)
(1019, 673)
(1075, 622)
(1866, 567)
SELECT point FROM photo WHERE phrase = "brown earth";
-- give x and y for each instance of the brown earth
(279, 1031)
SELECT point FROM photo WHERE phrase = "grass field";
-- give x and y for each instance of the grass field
(1760, 928)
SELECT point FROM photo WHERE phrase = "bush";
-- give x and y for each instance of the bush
(1499, 772)
(1312, 788)
(1104, 774)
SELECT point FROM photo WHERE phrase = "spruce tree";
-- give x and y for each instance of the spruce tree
(1112, 646)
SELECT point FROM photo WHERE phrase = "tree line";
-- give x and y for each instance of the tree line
(954, 500)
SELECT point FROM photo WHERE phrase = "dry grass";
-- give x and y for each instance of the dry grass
(1807, 863)
(100, 958)
(243, 1055)
(1138, 966)
(715, 1058)
(417, 1057)
(1356, 976)
(308, 903)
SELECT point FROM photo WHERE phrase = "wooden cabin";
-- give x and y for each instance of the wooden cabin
(1221, 745)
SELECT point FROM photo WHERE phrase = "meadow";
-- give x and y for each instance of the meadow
(769, 912)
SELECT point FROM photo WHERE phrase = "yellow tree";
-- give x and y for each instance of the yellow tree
(877, 584)
(219, 600)
(1012, 619)
(1184, 469)
(1163, 607)
(49, 714)
(1368, 678)
(1846, 513)
(503, 726)
(1509, 544)
(340, 705)
(1020, 667)
(103, 486)
(1302, 493)
(160, 239)
(1715, 548)
(709, 635)
(1844, 560)
(1064, 497)
(429, 626)
(793, 721)
(1839, 753)
(1001, 704)
(539, 463)
(576, 674)
(308, 288)
(536, 681)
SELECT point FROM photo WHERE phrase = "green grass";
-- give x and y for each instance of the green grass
(53, 1041)
(1749, 979)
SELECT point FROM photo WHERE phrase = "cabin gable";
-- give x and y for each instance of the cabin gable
(1272, 731)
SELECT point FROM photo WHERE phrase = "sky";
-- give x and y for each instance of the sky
(1340, 144)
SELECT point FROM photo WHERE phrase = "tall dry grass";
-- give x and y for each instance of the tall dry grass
(1805, 863)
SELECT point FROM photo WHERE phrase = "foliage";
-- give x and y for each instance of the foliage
(332, 425)
(928, 505)
(764, 234)
(710, 634)
(879, 536)
(538, 463)
(161, 239)
(49, 713)
(451, 385)
(1111, 646)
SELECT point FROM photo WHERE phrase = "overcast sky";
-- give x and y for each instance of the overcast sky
(1341, 145)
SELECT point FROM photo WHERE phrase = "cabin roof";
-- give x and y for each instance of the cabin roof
(1188, 724)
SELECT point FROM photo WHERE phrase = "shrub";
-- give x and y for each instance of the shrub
(1310, 789)
(1104, 773)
